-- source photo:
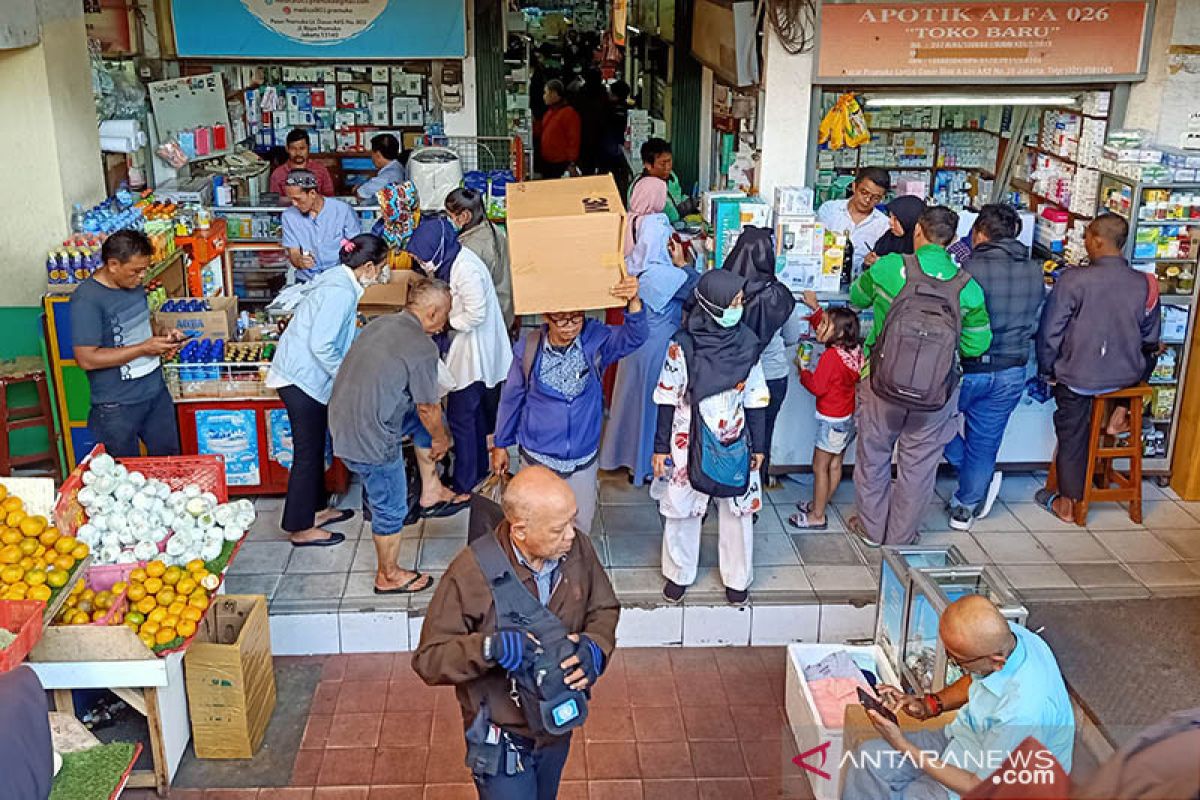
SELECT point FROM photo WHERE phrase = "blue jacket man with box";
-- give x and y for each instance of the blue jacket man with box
(552, 429)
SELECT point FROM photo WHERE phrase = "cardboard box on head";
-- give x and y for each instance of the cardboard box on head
(565, 241)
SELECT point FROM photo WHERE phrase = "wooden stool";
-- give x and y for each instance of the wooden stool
(1103, 480)
(18, 418)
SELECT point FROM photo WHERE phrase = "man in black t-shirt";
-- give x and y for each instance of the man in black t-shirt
(113, 342)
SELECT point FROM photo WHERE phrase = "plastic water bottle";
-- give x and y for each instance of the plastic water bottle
(77, 216)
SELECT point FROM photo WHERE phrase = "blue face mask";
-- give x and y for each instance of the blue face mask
(730, 317)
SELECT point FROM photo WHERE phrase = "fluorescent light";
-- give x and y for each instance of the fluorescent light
(636, 30)
(971, 100)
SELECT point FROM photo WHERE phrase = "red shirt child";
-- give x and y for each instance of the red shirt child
(835, 378)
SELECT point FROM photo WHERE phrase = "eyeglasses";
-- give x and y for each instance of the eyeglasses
(866, 194)
(962, 662)
(564, 320)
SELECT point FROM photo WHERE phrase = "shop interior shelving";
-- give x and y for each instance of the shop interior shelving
(1136, 201)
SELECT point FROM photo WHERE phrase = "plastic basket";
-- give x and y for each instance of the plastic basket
(101, 578)
(207, 472)
(24, 618)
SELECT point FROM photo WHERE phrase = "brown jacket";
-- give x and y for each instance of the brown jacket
(462, 612)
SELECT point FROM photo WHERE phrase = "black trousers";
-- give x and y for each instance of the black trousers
(778, 389)
(119, 426)
(306, 481)
(1072, 427)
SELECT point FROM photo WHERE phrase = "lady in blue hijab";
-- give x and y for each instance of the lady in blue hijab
(476, 351)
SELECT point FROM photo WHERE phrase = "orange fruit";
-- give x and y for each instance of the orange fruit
(186, 628)
(153, 585)
(19, 586)
(150, 626)
(99, 614)
(198, 601)
(146, 605)
(9, 536)
(35, 577)
(11, 574)
(57, 578)
(165, 635)
(136, 592)
(32, 526)
(185, 586)
(192, 614)
(104, 599)
(48, 537)
(137, 576)
(157, 614)
(80, 618)
(155, 569)
(64, 545)
(80, 551)
(136, 617)
(29, 547)
(147, 639)
(40, 550)
(10, 554)
(3, 491)
(177, 607)
(66, 563)
(170, 621)
(11, 503)
(195, 565)
(172, 576)
(13, 520)
(40, 592)
(133, 626)
(165, 597)
(119, 587)
(29, 562)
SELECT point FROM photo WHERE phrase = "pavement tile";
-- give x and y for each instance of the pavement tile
(354, 730)
(262, 558)
(636, 581)
(453, 527)
(653, 690)
(1074, 547)
(351, 767)
(451, 791)
(368, 667)
(1013, 547)
(341, 793)
(838, 582)
(726, 789)
(253, 584)
(670, 789)
(406, 728)
(759, 723)
(708, 723)
(399, 765)
(1166, 515)
(361, 697)
(712, 759)
(689, 660)
(311, 587)
(1106, 581)
(665, 759)
(1036, 518)
(609, 723)
(658, 724)
(1167, 578)
(1110, 517)
(438, 553)
(700, 689)
(615, 790)
(619, 520)
(1184, 542)
(774, 550)
(612, 760)
(306, 767)
(970, 549)
(315, 732)
(784, 580)
(635, 551)
(1140, 546)
(826, 548)
(413, 792)
(616, 490)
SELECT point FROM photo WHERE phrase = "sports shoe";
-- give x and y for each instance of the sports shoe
(992, 493)
(961, 518)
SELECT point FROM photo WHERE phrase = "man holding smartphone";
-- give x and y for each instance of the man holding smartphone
(1010, 689)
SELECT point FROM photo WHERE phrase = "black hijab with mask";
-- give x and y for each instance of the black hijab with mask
(907, 209)
(768, 302)
(719, 358)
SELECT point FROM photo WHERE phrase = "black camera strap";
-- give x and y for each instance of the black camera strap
(516, 607)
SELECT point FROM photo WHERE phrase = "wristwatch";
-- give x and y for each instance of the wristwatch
(489, 654)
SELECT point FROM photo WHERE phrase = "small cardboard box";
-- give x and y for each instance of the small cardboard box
(565, 242)
(220, 323)
(231, 678)
(386, 298)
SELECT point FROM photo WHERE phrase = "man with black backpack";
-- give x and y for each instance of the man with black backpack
(928, 313)
(551, 406)
(522, 625)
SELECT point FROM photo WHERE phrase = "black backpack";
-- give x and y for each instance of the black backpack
(915, 359)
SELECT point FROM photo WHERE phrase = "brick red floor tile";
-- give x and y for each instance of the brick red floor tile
(717, 760)
(410, 696)
(402, 661)
(786, 788)
(611, 760)
(341, 793)
(700, 689)
(446, 762)
(351, 767)
(576, 767)
(174, 794)
(280, 793)
(396, 793)
(334, 668)
(354, 730)
(451, 791)
(708, 722)
(403, 729)
(726, 789)
(658, 724)
(758, 723)
(369, 666)
(664, 759)
(306, 767)
(652, 690)
(231, 794)
(765, 759)
(399, 765)
(611, 690)
(739, 661)
(670, 789)
(360, 697)
(316, 731)
(609, 724)
(614, 790)
(686, 660)
(640, 662)
(325, 697)
(748, 690)
(573, 790)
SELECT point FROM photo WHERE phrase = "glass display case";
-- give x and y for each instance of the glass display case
(925, 667)
(895, 590)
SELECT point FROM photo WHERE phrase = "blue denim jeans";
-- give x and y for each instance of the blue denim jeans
(538, 781)
(986, 401)
(879, 773)
(119, 426)
(385, 489)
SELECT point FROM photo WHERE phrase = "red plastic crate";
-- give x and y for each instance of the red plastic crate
(24, 618)
(207, 472)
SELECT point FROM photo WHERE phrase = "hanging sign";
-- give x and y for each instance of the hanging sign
(949, 43)
(319, 29)
(620, 14)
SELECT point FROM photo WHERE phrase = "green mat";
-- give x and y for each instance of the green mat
(93, 774)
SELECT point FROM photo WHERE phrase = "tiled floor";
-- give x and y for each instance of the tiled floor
(1042, 557)
(677, 724)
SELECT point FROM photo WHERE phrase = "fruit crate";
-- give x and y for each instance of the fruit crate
(101, 578)
(24, 618)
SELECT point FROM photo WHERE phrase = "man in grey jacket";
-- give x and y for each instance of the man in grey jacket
(993, 383)
(1097, 328)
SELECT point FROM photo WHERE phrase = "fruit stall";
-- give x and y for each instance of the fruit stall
(122, 566)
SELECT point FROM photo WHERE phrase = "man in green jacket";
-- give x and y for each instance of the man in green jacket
(658, 162)
(890, 514)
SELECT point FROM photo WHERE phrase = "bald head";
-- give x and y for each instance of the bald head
(540, 509)
(429, 301)
(973, 627)
(1106, 236)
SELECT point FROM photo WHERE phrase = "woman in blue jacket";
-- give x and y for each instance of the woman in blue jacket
(551, 406)
(307, 360)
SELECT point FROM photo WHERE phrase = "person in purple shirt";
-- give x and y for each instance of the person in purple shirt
(551, 406)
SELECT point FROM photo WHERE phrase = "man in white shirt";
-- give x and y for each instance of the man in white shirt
(385, 155)
(858, 216)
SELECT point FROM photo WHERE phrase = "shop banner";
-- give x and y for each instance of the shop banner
(955, 43)
(319, 29)
(620, 14)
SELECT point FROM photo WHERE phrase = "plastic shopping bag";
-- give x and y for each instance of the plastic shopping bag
(485, 512)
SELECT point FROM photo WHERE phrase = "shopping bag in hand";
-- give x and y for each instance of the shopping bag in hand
(485, 512)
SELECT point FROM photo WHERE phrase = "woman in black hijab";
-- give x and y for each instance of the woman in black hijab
(712, 398)
(904, 212)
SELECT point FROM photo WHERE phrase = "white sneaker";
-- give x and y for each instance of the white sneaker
(992, 493)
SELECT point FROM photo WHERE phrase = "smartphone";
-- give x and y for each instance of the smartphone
(873, 704)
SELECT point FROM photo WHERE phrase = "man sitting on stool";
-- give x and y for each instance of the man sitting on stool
(465, 644)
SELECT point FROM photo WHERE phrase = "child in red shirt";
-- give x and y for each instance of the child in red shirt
(832, 383)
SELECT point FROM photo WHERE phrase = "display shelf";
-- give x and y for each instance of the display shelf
(1148, 260)
(162, 266)
(1150, 223)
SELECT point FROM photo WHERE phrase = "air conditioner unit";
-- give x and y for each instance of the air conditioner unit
(725, 39)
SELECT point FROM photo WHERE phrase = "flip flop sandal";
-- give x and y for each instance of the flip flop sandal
(345, 515)
(1045, 498)
(800, 520)
(334, 538)
(804, 506)
(446, 508)
(407, 586)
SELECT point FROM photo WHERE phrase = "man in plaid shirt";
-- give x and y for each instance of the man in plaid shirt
(993, 383)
